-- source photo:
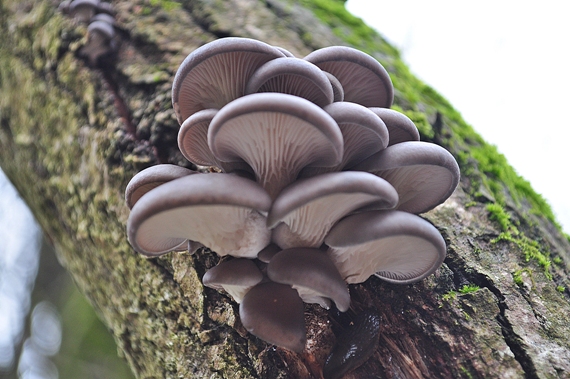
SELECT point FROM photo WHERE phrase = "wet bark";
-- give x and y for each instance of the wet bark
(72, 136)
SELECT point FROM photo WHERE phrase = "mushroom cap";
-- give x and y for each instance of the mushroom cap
(363, 133)
(83, 10)
(102, 29)
(293, 76)
(396, 246)
(220, 211)
(274, 312)
(105, 17)
(105, 8)
(400, 127)
(364, 80)
(193, 138)
(338, 92)
(312, 273)
(216, 73)
(235, 276)
(285, 52)
(277, 135)
(424, 174)
(150, 178)
(268, 252)
(306, 210)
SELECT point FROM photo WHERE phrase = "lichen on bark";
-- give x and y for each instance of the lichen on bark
(67, 146)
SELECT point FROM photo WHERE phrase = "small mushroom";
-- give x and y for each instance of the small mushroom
(312, 273)
(338, 92)
(305, 211)
(100, 42)
(150, 178)
(105, 17)
(363, 134)
(424, 174)
(396, 246)
(277, 135)
(363, 79)
(105, 8)
(235, 276)
(220, 211)
(83, 10)
(268, 252)
(216, 73)
(400, 127)
(293, 76)
(274, 312)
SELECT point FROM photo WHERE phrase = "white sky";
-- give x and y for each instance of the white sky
(504, 65)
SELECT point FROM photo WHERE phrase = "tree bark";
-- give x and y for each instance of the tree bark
(72, 137)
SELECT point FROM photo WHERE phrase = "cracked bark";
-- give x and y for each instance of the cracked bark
(67, 145)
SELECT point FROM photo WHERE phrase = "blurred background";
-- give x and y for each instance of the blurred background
(47, 328)
(503, 65)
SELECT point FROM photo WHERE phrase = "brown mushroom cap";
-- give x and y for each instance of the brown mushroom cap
(312, 273)
(363, 133)
(400, 127)
(293, 76)
(364, 80)
(151, 178)
(235, 276)
(274, 312)
(216, 73)
(305, 211)
(424, 174)
(277, 135)
(396, 246)
(220, 211)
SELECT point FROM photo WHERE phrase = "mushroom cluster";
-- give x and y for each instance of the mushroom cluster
(101, 35)
(319, 182)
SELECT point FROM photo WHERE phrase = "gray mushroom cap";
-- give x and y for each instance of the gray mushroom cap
(268, 252)
(277, 135)
(150, 178)
(235, 276)
(424, 174)
(400, 127)
(83, 10)
(274, 312)
(338, 92)
(364, 80)
(363, 133)
(396, 246)
(305, 211)
(292, 76)
(312, 273)
(220, 211)
(216, 73)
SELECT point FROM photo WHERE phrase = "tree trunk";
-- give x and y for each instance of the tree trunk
(72, 137)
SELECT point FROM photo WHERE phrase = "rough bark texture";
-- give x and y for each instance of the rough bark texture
(69, 145)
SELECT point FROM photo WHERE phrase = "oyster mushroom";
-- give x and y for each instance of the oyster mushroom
(305, 211)
(222, 212)
(400, 127)
(363, 133)
(312, 273)
(150, 178)
(424, 174)
(274, 312)
(364, 80)
(293, 76)
(277, 135)
(217, 73)
(396, 246)
(235, 276)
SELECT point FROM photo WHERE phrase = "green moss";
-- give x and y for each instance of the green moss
(451, 295)
(531, 250)
(167, 5)
(469, 288)
(498, 213)
(557, 260)
(560, 288)
(518, 276)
